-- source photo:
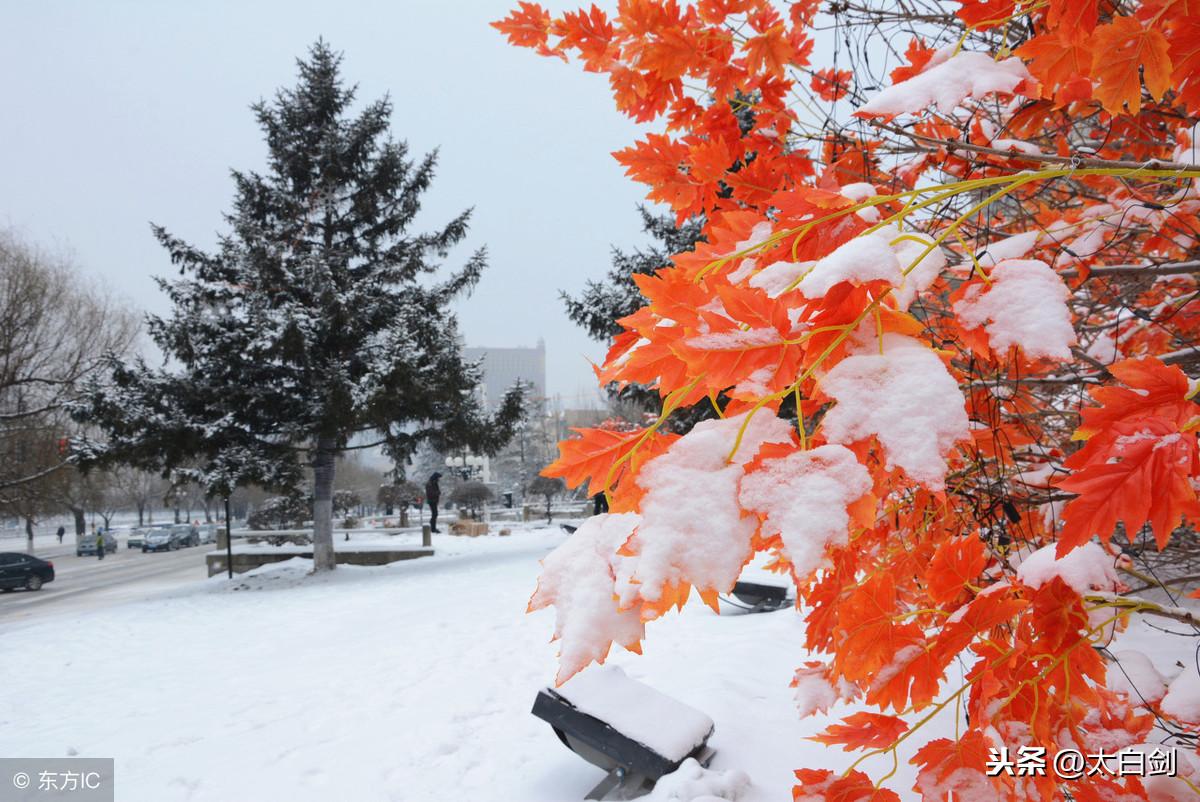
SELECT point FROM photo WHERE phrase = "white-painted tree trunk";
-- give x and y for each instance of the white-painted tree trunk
(323, 470)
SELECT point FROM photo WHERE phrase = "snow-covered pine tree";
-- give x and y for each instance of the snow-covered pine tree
(317, 324)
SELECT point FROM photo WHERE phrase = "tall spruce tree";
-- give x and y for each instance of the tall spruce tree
(317, 324)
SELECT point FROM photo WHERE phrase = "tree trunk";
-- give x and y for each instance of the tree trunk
(323, 470)
(141, 514)
(548, 518)
(403, 515)
(80, 521)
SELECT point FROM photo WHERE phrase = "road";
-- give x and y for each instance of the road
(87, 582)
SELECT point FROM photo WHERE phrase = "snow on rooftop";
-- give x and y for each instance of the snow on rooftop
(634, 709)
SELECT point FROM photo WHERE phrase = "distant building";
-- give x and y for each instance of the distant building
(503, 367)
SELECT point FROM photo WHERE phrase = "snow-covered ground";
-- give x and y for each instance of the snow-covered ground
(409, 682)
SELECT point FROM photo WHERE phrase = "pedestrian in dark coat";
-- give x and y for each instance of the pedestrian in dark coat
(61, 531)
(432, 494)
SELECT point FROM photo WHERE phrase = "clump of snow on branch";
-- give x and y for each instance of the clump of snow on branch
(947, 82)
(578, 579)
(815, 693)
(777, 277)
(691, 782)
(859, 192)
(885, 254)
(1013, 247)
(692, 527)
(906, 398)
(1026, 304)
(1086, 569)
(1182, 700)
(921, 268)
(865, 258)
(803, 497)
(1133, 674)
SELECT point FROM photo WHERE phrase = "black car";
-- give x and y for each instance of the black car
(19, 570)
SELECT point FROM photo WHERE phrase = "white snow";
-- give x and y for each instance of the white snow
(859, 192)
(1026, 304)
(578, 579)
(905, 397)
(634, 709)
(1182, 700)
(692, 528)
(691, 782)
(410, 682)
(919, 275)
(803, 497)
(867, 257)
(1086, 569)
(815, 693)
(948, 83)
(1133, 674)
(1013, 247)
(777, 277)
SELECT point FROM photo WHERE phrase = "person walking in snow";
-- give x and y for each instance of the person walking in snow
(99, 542)
(61, 532)
(432, 494)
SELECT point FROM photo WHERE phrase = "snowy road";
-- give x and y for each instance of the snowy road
(87, 583)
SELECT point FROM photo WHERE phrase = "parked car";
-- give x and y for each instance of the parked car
(24, 571)
(188, 534)
(161, 539)
(86, 543)
(208, 533)
(136, 538)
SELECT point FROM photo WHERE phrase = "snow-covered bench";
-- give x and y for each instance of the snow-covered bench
(625, 727)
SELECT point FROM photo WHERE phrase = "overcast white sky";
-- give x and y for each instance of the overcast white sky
(122, 112)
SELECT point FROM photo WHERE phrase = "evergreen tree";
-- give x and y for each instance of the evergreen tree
(315, 326)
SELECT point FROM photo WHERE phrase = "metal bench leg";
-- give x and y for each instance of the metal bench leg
(618, 785)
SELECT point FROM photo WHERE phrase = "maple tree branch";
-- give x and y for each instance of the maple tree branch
(1164, 269)
(1048, 158)
(1182, 355)
(1135, 604)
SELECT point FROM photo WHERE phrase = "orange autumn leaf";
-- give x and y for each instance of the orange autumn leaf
(918, 56)
(956, 564)
(592, 456)
(1062, 63)
(770, 51)
(831, 84)
(863, 730)
(1140, 474)
(1151, 389)
(1123, 53)
(822, 785)
(527, 26)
